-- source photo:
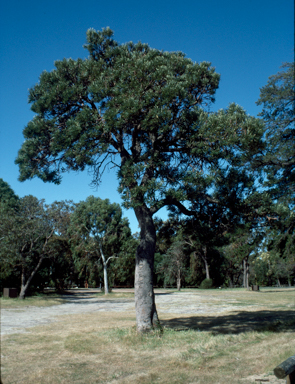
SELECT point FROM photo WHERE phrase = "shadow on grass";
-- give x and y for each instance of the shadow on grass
(237, 322)
(278, 290)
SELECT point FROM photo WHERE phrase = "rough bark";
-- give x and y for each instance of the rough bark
(145, 307)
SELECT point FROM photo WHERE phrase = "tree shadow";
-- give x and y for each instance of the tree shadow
(279, 290)
(236, 322)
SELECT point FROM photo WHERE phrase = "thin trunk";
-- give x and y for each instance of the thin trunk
(246, 272)
(279, 283)
(105, 272)
(204, 257)
(145, 307)
(105, 278)
(178, 281)
(25, 284)
(178, 276)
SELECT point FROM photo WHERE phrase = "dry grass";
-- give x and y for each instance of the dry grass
(36, 301)
(52, 298)
(227, 348)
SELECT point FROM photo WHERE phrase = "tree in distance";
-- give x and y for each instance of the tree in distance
(145, 112)
(277, 98)
(98, 230)
(7, 195)
(27, 237)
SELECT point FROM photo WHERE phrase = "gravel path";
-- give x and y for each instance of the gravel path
(18, 320)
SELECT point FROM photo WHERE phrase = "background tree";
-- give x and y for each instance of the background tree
(278, 99)
(278, 163)
(141, 110)
(7, 195)
(98, 231)
(26, 235)
(30, 234)
(8, 202)
(122, 268)
(60, 267)
(173, 264)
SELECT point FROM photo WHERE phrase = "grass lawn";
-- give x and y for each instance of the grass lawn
(41, 300)
(240, 345)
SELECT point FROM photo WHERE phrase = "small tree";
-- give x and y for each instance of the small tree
(173, 264)
(26, 233)
(98, 229)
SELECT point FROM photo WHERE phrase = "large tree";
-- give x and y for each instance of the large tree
(145, 112)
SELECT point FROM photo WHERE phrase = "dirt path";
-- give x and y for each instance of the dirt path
(81, 301)
(17, 320)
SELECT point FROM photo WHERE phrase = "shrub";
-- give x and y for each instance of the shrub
(206, 284)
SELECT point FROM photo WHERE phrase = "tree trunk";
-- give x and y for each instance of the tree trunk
(25, 284)
(23, 287)
(178, 277)
(246, 272)
(178, 283)
(105, 272)
(145, 307)
(204, 257)
(105, 278)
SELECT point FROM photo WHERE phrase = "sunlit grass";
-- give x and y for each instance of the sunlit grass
(104, 347)
(42, 300)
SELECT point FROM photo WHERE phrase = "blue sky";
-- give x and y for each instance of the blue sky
(246, 41)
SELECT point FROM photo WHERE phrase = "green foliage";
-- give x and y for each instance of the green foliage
(145, 112)
(30, 234)
(173, 264)
(206, 284)
(138, 104)
(97, 231)
(122, 268)
(7, 195)
(277, 99)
